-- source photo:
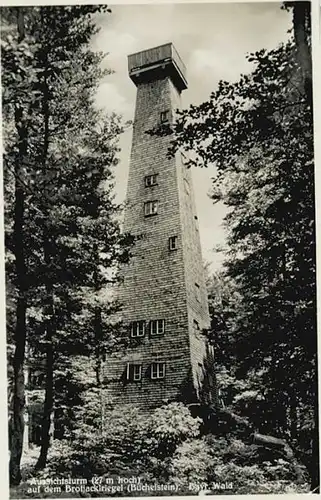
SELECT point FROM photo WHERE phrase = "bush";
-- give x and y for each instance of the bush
(245, 466)
(165, 446)
(169, 426)
(130, 444)
(190, 464)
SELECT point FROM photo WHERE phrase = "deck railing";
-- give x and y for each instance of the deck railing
(155, 55)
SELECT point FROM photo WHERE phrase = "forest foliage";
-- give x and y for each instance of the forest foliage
(166, 447)
(63, 236)
(257, 136)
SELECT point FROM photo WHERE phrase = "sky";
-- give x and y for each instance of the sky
(212, 40)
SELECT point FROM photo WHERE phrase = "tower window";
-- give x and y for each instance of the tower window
(157, 370)
(172, 242)
(138, 329)
(134, 372)
(198, 292)
(150, 208)
(157, 326)
(164, 116)
(151, 180)
(186, 185)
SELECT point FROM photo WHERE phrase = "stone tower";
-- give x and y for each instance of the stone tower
(163, 293)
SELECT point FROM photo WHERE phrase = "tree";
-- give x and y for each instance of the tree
(258, 132)
(74, 241)
(17, 107)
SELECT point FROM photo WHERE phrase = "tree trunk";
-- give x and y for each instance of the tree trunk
(17, 421)
(302, 28)
(97, 324)
(302, 32)
(98, 339)
(49, 392)
(49, 309)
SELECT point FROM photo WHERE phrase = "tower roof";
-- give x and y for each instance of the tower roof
(155, 63)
